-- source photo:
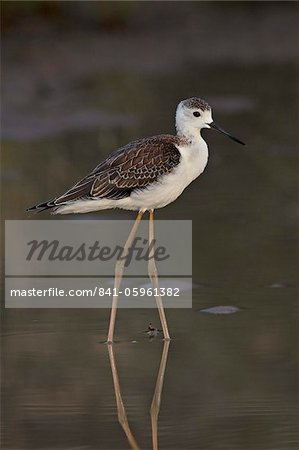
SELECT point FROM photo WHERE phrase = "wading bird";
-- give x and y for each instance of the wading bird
(142, 176)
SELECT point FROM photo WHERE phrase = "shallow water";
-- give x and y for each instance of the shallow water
(230, 379)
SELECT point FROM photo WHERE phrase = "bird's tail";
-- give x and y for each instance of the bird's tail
(42, 206)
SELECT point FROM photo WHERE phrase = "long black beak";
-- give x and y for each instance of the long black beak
(221, 130)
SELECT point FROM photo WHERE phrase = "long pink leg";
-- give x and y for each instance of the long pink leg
(153, 274)
(119, 269)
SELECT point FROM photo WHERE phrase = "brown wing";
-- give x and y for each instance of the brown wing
(134, 166)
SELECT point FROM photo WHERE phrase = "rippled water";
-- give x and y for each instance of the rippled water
(228, 380)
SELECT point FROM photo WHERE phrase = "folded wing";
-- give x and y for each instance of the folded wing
(134, 166)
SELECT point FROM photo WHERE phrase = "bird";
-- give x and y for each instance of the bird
(144, 175)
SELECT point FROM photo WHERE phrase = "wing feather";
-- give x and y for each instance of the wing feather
(134, 166)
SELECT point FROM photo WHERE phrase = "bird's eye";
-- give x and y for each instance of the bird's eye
(196, 114)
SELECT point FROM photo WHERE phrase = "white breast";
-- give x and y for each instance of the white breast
(194, 158)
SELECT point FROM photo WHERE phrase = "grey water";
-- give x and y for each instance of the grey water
(71, 97)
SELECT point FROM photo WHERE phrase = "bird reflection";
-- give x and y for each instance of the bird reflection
(156, 401)
(121, 411)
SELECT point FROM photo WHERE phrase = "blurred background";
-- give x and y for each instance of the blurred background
(80, 79)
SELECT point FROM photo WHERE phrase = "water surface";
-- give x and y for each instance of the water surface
(230, 380)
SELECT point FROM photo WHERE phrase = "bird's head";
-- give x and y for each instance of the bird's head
(194, 114)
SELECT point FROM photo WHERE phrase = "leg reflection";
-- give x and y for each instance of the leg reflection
(156, 402)
(121, 411)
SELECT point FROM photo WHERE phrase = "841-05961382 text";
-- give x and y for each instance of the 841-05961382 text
(97, 291)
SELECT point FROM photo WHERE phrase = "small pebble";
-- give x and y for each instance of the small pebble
(277, 285)
(220, 310)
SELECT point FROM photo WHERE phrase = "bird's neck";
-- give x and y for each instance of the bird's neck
(191, 134)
